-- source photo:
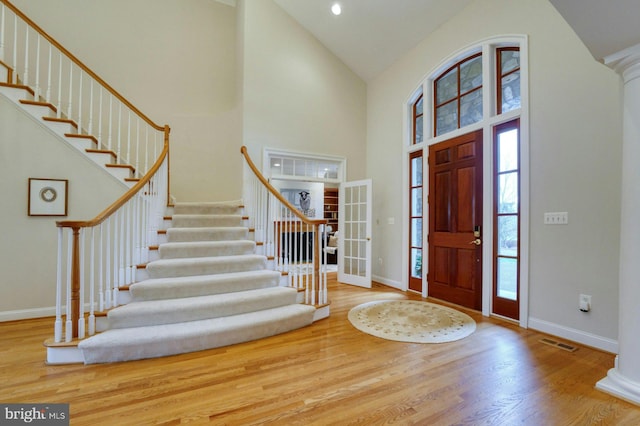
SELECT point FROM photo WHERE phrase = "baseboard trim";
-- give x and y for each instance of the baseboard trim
(21, 314)
(385, 281)
(619, 386)
(578, 336)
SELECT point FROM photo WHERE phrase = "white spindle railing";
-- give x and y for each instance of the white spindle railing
(98, 256)
(102, 254)
(288, 237)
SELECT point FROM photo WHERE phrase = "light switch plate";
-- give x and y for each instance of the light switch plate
(556, 218)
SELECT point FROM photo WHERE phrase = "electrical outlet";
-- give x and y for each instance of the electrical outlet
(585, 302)
(556, 218)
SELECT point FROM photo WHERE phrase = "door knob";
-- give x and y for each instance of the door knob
(477, 241)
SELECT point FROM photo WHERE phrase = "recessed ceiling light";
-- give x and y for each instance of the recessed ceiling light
(336, 9)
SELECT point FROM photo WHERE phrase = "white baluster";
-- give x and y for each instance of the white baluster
(102, 242)
(15, 49)
(119, 157)
(137, 165)
(107, 275)
(59, 114)
(92, 284)
(109, 140)
(146, 151)
(68, 324)
(80, 102)
(100, 118)
(2, 27)
(57, 335)
(49, 66)
(25, 75)
(69, 108)
(37, 86)
(81, 330)
(128, 159)
(90, 125)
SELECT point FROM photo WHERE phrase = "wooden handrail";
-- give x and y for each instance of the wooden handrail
(126, 196)
(276, 194)
(80, 64)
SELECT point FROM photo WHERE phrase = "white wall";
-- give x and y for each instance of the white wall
(176, 61)
(298, 95)
(28, 246)
(575, 140)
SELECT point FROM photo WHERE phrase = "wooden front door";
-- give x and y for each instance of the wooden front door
(455, 219)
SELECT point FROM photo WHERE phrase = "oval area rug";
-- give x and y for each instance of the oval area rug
(411, 321)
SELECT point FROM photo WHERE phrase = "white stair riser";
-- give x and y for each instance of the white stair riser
(119, 172)
(60, 128)
(15, 94)
(38, 111)
(100, 158)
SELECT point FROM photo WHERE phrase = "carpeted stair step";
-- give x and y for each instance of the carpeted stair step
(170, 288)
(166, 268)
(205, 220)
(177, 235)
(170, 311)
(170, 339)
(226, 207)
(205, 249)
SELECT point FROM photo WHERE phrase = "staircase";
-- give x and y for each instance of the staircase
(130, 284)
(207, 289)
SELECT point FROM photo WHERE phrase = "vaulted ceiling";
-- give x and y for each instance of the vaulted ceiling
(370, 35)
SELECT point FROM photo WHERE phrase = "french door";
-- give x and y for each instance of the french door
(455, 220)
(354, 239)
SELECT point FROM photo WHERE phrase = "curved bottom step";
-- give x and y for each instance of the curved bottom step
(172, 339)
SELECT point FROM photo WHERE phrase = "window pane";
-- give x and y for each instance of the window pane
(419, 106)
(416, 171)
(416, 263)
(416, 202)
(446, 118)
(508, 235)
(508, 193)
(507, 278)
(508, 151)
(419, 127)
(510, 60)
(471, 74)
(447, 87)
(416, 232)
(511, 91)
(471, 108)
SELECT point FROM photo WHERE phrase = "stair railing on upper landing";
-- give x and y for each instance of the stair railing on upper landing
(56, 77)
(96, 257)
(289, 238)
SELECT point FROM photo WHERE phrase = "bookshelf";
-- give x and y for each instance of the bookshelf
(331, 207)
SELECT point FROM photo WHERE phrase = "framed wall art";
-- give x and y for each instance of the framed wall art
(47, 197)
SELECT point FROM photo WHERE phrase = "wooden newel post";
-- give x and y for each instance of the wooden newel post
(75, 281)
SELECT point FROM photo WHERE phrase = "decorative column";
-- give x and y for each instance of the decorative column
(623, 380)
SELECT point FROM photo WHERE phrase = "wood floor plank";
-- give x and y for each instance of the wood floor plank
(326, 374)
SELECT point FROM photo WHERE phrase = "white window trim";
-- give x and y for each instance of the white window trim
(268, 153)
(487, 46)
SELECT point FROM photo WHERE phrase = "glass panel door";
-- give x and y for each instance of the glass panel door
(354, 237)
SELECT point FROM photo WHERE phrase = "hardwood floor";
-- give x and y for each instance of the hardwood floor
(325, 374)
